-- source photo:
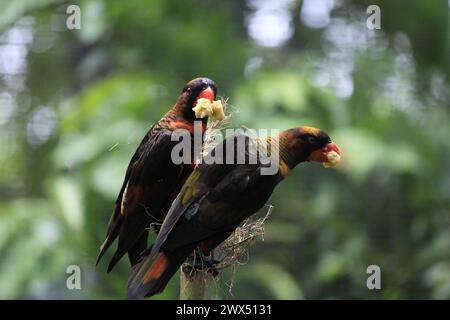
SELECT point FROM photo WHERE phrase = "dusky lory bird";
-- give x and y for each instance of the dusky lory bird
(216, 198)
(152, 180)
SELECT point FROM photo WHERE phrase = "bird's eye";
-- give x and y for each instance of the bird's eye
(188, 91)
(311, 140)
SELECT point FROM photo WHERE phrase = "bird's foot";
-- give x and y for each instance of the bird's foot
(205, 262)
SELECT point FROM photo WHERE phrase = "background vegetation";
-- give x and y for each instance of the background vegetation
(74, 105)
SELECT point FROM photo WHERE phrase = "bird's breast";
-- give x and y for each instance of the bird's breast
(186, 125)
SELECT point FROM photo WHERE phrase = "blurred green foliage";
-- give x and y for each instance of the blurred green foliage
(74, 104)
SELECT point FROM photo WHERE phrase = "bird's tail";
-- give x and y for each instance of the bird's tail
(114, 225)
(110, 237)
(152, 274)
(103, 248)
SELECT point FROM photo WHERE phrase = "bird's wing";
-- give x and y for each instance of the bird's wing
(208, 185)
(183, 227)
(212, 203)
(150, 180)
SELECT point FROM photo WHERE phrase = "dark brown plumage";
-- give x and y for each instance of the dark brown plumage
(152, 180)
(215, 199)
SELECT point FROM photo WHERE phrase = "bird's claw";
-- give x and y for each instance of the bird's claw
(205, 262)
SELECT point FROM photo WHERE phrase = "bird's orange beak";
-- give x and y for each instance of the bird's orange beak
(207, 93)
(321, 155)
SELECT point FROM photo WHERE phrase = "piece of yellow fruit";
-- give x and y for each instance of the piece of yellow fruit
(333, 159)
(203, 108)
(218, 113)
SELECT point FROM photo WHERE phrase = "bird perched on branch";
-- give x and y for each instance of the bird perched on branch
(152, 180)
(216, 198)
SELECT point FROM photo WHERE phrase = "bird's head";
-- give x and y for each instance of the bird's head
(308, 144)
(198, 88)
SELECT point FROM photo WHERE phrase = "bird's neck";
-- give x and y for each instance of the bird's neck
(279, 146)
(178, 118)
(183, 111)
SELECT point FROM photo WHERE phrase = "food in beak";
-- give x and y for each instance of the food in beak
(204, 108)
(218, 112)
(332, 155)
(333, 159)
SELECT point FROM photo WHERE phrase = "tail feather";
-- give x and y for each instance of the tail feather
(114, 225)
(116, 257)
(152, 274)
(112, 235)
(129, 241)
(106, 244)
